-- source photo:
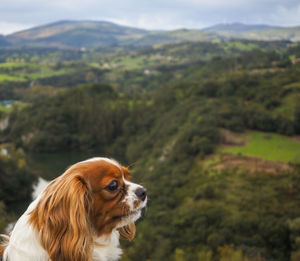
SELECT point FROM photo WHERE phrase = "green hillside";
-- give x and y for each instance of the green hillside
(90, 34)
(268, 146)
(176, 36)
(236, 28)
(123, 68)
(211, 129)
(3, 41)
(292, 34)
(86, 34)
(256, 32)
(76, 34)
(79, 34)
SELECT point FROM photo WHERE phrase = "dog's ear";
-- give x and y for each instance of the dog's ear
(4, 239)
(62, 219)
(127, 232)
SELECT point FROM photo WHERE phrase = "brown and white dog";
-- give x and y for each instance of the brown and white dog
(80, 216)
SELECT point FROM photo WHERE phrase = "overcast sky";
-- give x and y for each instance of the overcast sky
(16, 15)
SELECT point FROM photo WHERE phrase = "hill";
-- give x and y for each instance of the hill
(256, 32)
(170, 110)
(76, 34)
(90, 34)
(173, 37)
(44, 70)
(87, 34)
(3, 41)
(237, 28)
(169, 126)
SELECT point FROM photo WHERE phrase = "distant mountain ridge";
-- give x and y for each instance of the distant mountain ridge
(3, 41)
(256, 32)
(89, 34)
(59, 27)
(238, 28)
(76, 34)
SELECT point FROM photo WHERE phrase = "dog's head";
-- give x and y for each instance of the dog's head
(91, 199)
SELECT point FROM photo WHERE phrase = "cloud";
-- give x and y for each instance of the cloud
(8, 28)
(156, 22)
(287, 16)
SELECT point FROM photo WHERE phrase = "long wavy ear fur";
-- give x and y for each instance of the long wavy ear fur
(62, 219)
(127, 232)
(4, 239)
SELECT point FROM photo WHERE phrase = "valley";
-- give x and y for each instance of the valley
(210, 126)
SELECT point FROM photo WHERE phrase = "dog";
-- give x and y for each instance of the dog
(80, 216)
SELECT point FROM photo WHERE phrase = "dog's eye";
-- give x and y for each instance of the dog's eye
(113, 186)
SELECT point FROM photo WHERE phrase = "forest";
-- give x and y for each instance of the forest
(184, 116)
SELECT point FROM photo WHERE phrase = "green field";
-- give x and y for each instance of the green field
(5, 109)
(268, 146)
(19, 72)
(12, 65)
(10, 78)
(288, 105)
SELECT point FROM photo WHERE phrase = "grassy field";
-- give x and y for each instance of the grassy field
(12, 65)
(5, 109)
(240, 46)
(289, 103)
(10, 78)
(17, 72)
(268, 146)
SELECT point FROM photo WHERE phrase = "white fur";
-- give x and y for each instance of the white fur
(111, 161)
(24, 243)
(39, 187)
(131, 196)
(109, 247)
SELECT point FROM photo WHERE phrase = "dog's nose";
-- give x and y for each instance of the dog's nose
(141, 193)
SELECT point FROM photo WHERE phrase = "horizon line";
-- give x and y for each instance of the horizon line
(31, 27)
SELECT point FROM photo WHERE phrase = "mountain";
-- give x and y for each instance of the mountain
(3, 41)
(76, 34)
(175, 36)
(237, 28)
(274, 34)
(89, 34)
(256, 32)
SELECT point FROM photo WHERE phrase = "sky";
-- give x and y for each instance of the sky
(16, 15)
